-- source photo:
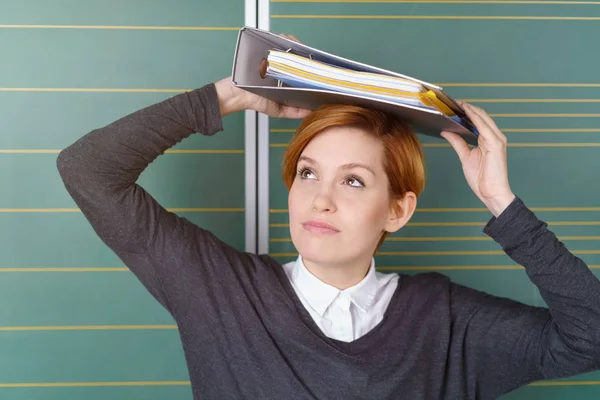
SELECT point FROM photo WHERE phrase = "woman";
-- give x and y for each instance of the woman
(328, 326)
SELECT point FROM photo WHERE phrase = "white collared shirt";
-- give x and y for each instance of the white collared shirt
(346, 314)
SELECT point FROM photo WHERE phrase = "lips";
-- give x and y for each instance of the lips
(320, 227)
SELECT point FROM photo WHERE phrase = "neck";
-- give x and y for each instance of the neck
(340, 276)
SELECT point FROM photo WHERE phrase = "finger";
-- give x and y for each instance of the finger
(486, 120)
(486, 132)
(277, 110)
(290, 37)
(458, 143)
(489, 121)
(294, 38)
(293, 112)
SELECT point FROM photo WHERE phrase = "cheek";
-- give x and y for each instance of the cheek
(295, 201)
(301, 192)
(292, 199)
(296, 212)
(368, 214)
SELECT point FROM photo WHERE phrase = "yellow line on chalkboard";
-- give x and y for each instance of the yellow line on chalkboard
(449, 239)
(438, 224)
(192, 151)
(93, 90)
(457, 267)
(282, 130)
(483, 209)
(23, 151)
(531, 100)
(448, 84)
(553, 130)
(206, 209)
(546, 145)
(205, 151)
(442, 253)
(280, 145)
(527, 145)
(554, 223)
(565, 383)
(125, 27)
(465, 84)
(39, 210)
(544, 115)
(444, 1)
(449, 268)
(505, 130)
(72, 210)
(86, 327)
(186, 383)
(456, 17)
(94, 384)
(66, 269)
(216, 151)
(463, 253)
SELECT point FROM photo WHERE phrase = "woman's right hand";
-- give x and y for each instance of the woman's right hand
(232, 99)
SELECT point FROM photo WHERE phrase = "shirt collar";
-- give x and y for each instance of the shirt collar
(320, 295)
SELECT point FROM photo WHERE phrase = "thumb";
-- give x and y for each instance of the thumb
(458, 144)
(277, 110)
(293, 112)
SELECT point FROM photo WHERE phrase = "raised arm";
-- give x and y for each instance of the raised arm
(507, 344)
(100, 171)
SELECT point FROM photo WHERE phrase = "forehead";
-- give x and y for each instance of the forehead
(345, 145)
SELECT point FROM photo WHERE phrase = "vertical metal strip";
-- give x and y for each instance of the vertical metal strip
(263, 153)
(250, 151)
(250, 206)
(263, 184)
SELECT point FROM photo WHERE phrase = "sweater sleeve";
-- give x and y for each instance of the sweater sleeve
(508, 344)
(100, 171)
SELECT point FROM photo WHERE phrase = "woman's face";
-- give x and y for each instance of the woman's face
(339, 203)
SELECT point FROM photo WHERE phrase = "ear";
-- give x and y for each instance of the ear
(401, 211)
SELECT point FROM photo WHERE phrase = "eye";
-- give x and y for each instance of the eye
(354, 181)
(305, 173)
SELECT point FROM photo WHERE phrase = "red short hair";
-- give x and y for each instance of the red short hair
(403, 161)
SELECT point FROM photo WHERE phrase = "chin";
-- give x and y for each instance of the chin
(319, 252)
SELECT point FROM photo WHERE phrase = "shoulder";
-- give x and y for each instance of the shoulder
(457, 293)
(426, 280)
(437, 285)
(424, 288)
(436, 281)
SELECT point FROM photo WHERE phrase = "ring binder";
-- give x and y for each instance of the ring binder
(295, 74)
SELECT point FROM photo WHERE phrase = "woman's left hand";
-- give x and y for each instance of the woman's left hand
(485, 166)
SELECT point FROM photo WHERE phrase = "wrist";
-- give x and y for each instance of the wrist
(498, 204)
(230, 98)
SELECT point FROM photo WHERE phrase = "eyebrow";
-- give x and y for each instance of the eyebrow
(345, 166)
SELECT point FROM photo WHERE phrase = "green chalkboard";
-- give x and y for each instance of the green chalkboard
(74, 322)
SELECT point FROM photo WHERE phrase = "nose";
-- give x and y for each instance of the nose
(323, 200)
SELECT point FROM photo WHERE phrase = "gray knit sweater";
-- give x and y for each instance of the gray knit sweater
(246, 334)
